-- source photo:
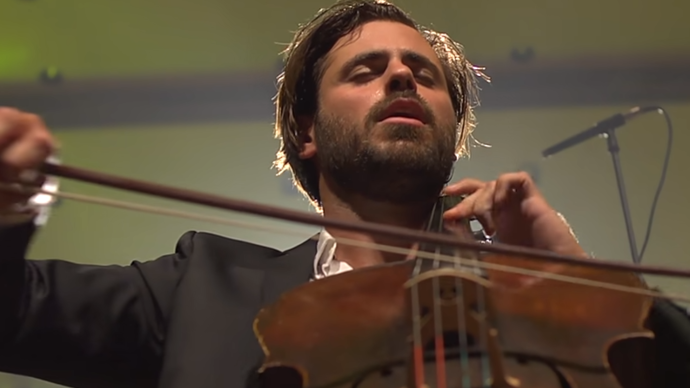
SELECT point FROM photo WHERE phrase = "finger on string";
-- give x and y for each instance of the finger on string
(484, 208)
(477, 206)
(464, 209)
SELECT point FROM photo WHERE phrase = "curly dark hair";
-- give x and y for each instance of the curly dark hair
(304, 66)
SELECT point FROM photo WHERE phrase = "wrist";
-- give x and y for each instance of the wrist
(35, 207)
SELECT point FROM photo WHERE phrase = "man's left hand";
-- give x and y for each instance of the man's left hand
(513, 210)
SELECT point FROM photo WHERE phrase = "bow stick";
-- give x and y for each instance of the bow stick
(230, 204)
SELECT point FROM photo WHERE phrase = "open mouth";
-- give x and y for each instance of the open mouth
(404, 110)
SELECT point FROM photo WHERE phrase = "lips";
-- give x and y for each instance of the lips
(405, 108)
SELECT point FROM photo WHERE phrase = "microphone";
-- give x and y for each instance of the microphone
(603, 126)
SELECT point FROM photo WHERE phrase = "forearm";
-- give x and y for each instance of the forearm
(81, 325)
(14, 243)
(18, 225)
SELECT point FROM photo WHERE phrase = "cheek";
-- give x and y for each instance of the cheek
(350, 103)
(444, 110)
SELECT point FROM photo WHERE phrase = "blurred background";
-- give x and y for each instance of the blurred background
(180, 93)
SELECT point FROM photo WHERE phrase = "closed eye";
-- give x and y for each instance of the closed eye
(426, 77)
(365, 74)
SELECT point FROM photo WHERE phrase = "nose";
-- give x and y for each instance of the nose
(401, 78)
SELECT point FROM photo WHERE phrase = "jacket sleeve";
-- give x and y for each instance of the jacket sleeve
(84, 325)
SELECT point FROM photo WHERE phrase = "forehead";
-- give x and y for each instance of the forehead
(389, 36)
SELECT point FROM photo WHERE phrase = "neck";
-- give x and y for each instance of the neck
(352, 207)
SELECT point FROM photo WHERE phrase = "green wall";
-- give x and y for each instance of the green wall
(133, 37)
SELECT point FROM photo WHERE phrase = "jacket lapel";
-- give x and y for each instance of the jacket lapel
(209, 340)
(293, 268)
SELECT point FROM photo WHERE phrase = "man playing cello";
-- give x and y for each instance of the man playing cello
(372, 112)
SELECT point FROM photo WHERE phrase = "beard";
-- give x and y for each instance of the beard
(386, 162)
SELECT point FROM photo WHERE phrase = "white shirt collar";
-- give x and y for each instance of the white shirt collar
(325, 263)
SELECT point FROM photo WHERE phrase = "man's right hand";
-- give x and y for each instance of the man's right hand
(25, 143)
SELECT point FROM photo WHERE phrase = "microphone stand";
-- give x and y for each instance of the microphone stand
(614, 149)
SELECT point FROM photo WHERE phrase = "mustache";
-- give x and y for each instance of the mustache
(377, 110)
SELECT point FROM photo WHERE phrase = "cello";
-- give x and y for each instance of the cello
(441, 320)
(460, 313)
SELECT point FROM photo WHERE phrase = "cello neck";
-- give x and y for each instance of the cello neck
(461, 229)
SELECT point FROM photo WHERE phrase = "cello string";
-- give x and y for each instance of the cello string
(483, 329)
(361, 244)
(460, 307)
(481, 316)
(418, 347)
(439, 345)
(463, 343)
(462, 337)
(418, 350)
(482, 308)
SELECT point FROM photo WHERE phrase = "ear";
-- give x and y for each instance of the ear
(306, 137)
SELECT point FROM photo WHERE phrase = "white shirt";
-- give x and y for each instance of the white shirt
(325, 263)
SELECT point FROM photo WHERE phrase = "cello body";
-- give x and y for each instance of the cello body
(435, 324)
(357, 326)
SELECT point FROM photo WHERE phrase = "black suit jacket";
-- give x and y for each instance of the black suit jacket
(183, 320)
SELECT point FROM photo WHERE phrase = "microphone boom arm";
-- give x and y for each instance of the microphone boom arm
(607, 128)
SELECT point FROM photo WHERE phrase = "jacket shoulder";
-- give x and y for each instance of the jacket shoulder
(247, 254)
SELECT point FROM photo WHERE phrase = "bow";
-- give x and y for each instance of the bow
(230, 204)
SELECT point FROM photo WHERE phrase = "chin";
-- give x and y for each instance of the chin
(404, 141)
(399, 151)
(396, 130)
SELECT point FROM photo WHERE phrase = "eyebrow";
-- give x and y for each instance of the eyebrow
(407, 56)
